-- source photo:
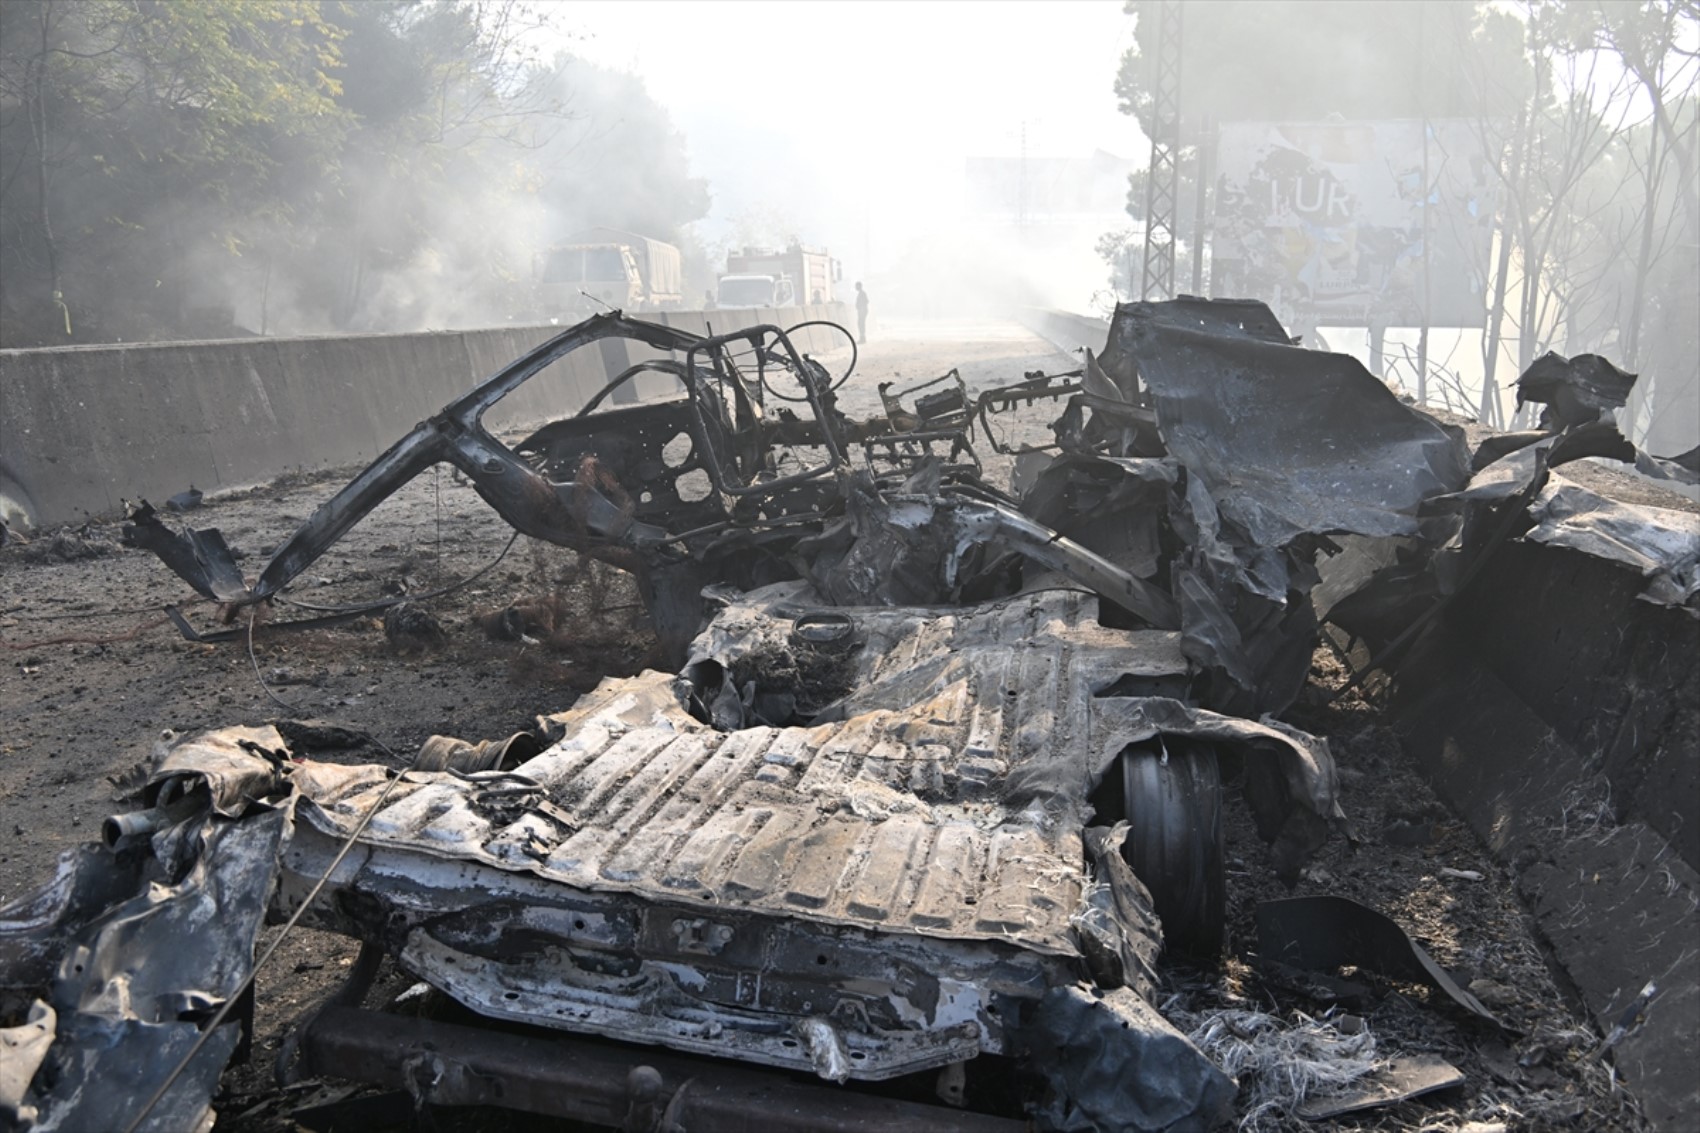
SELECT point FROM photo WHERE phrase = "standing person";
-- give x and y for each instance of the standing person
(861, 314)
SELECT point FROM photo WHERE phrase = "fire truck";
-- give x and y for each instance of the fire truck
(797, 276)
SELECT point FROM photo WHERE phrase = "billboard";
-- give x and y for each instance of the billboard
(1324, 221)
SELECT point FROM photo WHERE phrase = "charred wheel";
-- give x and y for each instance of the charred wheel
(1170, 792)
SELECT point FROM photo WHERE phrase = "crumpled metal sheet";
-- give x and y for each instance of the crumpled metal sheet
(1575, 390)
(718, 978)
(1345, 573)
(895, 552)
(1325, 933)
(955, 722)
(201, 557)
(1117, 926)
(1231, 318)
(1289, 441)
(1231, 557)
(1660, 544)
(134, 983)
(1040, 656)
(938, 808)
(1111, 505)
(1116, 1066)
(1582, 395)
(237, 765)
(1592, 438)
(923, 548)
(37, 928)
(728, 878)
(1681, 469)
(134, 950)
(1508, 475)
(1271, 451)
(1042, 665)
(1245, 609)
(22, 1049)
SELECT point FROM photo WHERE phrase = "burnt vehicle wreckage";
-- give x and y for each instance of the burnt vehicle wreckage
(932, 779)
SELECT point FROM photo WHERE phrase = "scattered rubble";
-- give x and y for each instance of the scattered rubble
(64, 547)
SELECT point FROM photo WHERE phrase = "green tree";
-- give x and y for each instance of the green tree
(143, 136)
(446, 104)
(330, 164)
(1598, 198)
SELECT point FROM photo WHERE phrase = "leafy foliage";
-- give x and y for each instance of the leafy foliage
(169, 168)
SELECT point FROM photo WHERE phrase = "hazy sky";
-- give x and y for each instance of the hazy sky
(853, 119)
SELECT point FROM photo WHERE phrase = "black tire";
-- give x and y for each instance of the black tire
(1174, 807)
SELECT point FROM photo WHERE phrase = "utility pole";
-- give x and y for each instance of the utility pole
(1201, 168)
(1162, 181)
(1428, 193)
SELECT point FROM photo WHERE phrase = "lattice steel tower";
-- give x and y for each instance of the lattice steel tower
(1162, 180)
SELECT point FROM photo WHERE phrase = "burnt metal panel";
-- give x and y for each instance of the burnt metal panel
(594, 1081)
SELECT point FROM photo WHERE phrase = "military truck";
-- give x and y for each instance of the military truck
(608, 268)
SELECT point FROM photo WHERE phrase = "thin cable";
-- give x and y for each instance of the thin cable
(277, 942)
(253, 659)
(96, 613)
(386, 603)
(77, 639)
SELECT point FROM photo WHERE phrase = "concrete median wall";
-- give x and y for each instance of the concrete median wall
(84, 428)
(1067, 332)
(1557, 713)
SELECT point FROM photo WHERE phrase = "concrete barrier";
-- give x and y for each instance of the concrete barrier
(83, 428)
(1065, 331)
(1556, 713)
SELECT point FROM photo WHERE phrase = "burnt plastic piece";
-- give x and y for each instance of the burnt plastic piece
(1327, 933)
(1113, 1064)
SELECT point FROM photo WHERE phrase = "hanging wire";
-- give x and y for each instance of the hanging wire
(386, 603)
(253, 659)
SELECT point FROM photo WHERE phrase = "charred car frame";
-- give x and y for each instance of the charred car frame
(932, 777)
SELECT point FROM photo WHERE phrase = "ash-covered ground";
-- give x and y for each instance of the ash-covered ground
(96, 675)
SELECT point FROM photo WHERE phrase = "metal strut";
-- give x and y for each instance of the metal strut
(1162, 181)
